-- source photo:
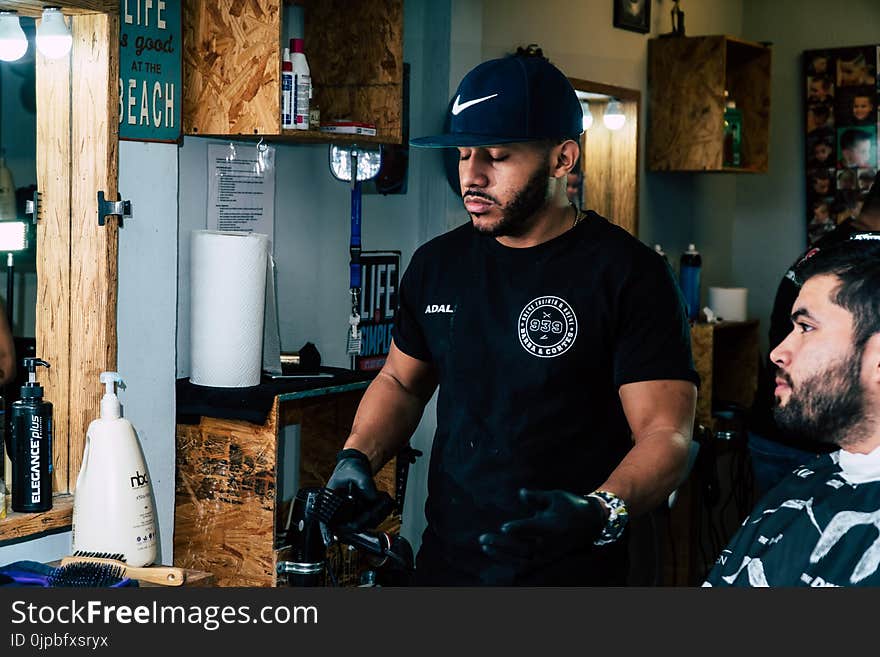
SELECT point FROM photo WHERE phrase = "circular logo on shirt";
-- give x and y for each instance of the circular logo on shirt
(547, 327)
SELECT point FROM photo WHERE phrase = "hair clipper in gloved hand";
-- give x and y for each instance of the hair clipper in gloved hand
(553, 523)
(353, 477)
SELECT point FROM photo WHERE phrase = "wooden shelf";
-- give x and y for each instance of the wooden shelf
(303, 137)
(687, 78)
(232, 67)
(26, 525)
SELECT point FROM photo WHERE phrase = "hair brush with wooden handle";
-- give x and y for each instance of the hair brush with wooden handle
(165, 575)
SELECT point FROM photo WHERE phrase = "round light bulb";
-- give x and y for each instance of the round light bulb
(613, 117)
(53, 37)
(588, 115)
(13, 42)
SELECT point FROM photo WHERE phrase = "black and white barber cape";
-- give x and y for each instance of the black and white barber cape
(819, 527)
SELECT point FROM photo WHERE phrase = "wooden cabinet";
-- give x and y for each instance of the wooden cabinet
(234, 484)
(687, 78)
(726, 356)
(232, 66)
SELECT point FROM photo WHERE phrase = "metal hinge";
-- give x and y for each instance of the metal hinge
(117, 209)
(32, 207)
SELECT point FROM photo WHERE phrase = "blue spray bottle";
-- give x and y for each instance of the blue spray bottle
(689, 280)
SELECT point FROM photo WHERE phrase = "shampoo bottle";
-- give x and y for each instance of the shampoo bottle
(302, 85)
(113, 506)
(286, 91)
(31, 425)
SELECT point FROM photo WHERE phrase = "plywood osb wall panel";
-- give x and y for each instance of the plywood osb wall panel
(225, 500)
(231, 66)
(686, 86)
(355, 52)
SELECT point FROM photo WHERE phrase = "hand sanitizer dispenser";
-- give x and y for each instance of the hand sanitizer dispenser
(113, 505)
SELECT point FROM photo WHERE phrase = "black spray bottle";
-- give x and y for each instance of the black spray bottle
(31, 424)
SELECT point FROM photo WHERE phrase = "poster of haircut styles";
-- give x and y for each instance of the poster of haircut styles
(840, 100)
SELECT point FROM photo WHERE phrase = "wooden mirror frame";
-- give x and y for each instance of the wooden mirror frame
(77, 156)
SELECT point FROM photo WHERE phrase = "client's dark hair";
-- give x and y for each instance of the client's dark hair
(856, 262)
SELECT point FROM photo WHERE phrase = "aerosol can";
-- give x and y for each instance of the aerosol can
(113, 505)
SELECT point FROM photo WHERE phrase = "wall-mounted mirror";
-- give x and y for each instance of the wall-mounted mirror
(18, 182)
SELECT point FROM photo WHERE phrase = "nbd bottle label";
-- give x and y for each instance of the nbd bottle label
(138, 480)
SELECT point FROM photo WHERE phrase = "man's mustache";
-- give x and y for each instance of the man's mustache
(477, 194)
(782, 374)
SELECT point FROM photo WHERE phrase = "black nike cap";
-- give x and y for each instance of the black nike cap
(512, 99)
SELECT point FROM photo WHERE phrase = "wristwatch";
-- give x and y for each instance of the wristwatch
(618, 516)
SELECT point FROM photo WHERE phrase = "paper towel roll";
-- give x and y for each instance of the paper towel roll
(729, 303)
(227, 296)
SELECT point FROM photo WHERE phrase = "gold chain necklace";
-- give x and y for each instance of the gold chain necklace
(578, 215)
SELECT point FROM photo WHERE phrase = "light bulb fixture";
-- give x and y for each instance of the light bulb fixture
(53, 36)
(613, 117)
(588, 115)
(13, 236)
(13, 42)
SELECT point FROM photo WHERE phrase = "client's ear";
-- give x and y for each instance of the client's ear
(871, 363)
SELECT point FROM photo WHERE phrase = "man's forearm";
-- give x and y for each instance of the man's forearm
(386, 418)
(652, 469)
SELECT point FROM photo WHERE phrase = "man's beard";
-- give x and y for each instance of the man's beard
(518, 216)
(828, 407)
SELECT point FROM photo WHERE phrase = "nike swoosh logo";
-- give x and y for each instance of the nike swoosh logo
(458, 108)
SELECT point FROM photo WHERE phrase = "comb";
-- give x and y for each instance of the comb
(165, 575)
(334, 508)
(326, 506)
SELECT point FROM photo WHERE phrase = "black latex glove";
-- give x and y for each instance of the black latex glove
(353, 476)
(554, 523)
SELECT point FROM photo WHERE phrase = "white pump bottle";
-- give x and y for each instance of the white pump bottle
(113, 505)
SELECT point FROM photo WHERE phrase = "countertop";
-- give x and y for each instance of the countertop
(253, 404)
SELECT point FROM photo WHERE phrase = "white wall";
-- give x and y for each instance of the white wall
(147, 314)
(770, 224)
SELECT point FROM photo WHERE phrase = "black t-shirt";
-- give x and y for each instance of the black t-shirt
(531, 346)
(762, 421)
(817, 527)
